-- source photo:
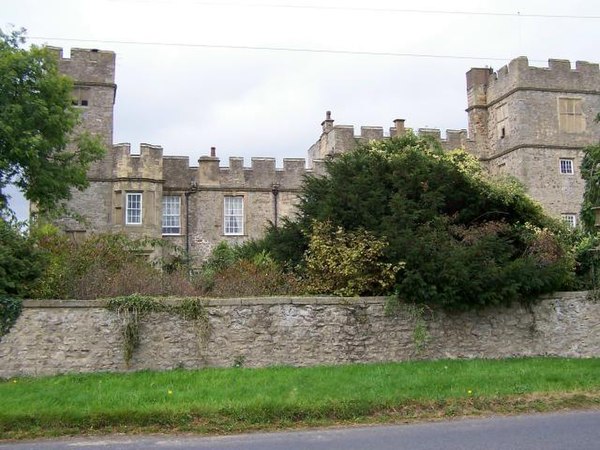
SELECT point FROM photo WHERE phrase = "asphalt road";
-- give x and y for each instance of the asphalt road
(558, 431)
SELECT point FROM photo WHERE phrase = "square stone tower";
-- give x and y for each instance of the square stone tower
(94, 91)
(533, 122)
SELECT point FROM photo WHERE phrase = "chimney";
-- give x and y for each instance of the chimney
(327, 124)
(400, 130)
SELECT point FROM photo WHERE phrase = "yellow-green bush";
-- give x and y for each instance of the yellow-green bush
(347, 263)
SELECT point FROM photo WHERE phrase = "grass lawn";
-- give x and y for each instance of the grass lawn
(241, 399)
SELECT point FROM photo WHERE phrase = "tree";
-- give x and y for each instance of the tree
(465, 241)
(37, 121)
(21, 263)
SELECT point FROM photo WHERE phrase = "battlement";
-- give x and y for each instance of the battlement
(87, 66)
(559, 75)
(263, 173)
(337, 139)
(147, 164)
(454, 138)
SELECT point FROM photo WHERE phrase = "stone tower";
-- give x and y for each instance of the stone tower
(532, 123)
(93, 73)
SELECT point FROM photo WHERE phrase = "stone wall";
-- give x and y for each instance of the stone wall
(82, 336)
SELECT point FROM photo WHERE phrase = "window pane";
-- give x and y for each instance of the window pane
(570, 219)
(133, 210)
(566, 166)
(171, 214)
(233, 215)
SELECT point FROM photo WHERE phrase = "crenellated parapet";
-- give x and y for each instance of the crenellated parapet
(262, 174)
(88, 66)
(147, 165)
(337, 139)
(484, 86)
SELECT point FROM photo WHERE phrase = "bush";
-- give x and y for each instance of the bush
(347, 263)
(105, 265)
(244, 271)
(10, 310)
(466, 240)
(21, 264)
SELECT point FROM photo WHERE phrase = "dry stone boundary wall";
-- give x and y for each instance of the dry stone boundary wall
(64, 336)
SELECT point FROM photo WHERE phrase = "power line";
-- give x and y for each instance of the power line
(387, 10)
(274, 49)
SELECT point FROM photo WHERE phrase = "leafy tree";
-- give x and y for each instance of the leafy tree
(20, 262)
(37, 119)
(466, 241)
(590, 172)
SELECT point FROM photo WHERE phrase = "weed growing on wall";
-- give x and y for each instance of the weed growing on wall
(193, 309)
(416, 312)
(133, 308)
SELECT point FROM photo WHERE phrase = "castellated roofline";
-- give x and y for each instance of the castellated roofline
(262, 173)
(368, 133)
(518, 74)
(87, 65)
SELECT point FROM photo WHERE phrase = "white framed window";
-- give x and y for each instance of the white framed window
(133, 208)
(233, 214)
(566, 166)
(570, 115)
(171, 213)
(570, 219)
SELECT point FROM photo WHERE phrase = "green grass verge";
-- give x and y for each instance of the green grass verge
(240, 399)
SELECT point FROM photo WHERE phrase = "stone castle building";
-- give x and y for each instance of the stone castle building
(525, 121)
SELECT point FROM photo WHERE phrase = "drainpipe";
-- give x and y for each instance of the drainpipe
(187, 224)
(275, 191)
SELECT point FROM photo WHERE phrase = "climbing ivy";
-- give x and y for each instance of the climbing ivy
(133, 308)
(416, 313)
(10, 310)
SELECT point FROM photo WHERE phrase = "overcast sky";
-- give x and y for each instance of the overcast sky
(184, 82)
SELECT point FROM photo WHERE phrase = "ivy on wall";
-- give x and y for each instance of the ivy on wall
(10, 310)
(133, 308)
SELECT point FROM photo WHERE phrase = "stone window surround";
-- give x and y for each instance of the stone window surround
(133, 208)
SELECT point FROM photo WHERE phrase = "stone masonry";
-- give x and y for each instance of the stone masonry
(65, 336)
(527, 122)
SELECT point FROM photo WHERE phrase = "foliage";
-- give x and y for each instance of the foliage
(133, 308)
(347, 263)
(586, 242)
(105, 265)
(590, 172)
(259, 277)
(244, 271)
(10, 310)
(20, 262)
(416, 313)
(466, 240)
(37, 119)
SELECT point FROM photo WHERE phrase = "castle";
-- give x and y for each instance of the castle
(525, 121)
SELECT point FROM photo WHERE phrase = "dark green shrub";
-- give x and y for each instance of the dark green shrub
(10, 310)
(20, 261)
(467, 241)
